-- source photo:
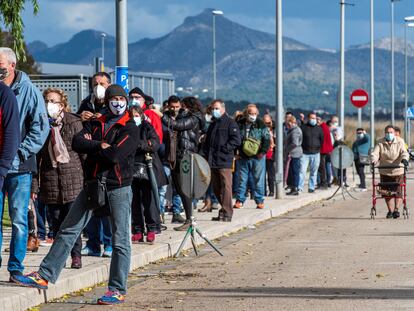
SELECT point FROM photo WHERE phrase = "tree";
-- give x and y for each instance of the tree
(10, 11)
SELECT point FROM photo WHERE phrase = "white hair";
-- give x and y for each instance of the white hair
(9, 53)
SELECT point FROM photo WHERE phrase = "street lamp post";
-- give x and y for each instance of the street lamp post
(342, 68)
(392, 64)
(121, 72)
(279, 102)
(215, 13)
(103, 35)
(372, 97)
(408, 24)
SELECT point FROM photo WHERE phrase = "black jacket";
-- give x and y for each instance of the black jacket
(118, 159)
(88, 105)
(149, 142)
(223, 137)
(312, 138)
(188, 127)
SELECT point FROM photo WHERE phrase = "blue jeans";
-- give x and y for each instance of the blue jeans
(176, 200)
(77, 219)
(17, 186)
(294, 172)
(306, 160)
(258, 170)
(99, 232)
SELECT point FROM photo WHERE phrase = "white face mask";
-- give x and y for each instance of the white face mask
(53, 110)
(138, 121)
(208, 118)
(157, 107)
(252, 118)
(99, 91)
(117, 107)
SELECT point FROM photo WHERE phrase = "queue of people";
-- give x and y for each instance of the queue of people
(111, 170)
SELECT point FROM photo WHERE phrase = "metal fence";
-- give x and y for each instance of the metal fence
(158, 85)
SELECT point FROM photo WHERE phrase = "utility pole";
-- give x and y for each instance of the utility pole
(392, 65)
(215, 13)
(279, 101)
(342, 68)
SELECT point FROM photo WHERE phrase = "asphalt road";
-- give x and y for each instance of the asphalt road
(327, 256)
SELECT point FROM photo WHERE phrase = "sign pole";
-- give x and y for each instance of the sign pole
(359, 117)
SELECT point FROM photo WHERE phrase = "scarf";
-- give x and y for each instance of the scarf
(57, 149)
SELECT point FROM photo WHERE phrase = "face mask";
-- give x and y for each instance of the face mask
(335, 124)
(389, 137)
(117, 107)
(157, 107)
(3, 73)
(137, 121)
(99, 91)
(208, 118)
(217, 113)
(360, 136)
(252, 118)
(312, 122)
(53, 110)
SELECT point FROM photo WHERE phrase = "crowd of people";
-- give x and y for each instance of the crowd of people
(111, 171)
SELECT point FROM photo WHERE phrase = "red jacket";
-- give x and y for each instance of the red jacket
(155, 121)
(327, 146)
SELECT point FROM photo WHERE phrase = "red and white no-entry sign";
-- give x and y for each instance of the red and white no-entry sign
(359, 98)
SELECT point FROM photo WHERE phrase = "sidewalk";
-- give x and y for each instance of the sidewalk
(96, 269)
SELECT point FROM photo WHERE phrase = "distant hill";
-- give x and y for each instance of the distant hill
(245, 62)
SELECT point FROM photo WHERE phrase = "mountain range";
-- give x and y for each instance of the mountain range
(245, 62)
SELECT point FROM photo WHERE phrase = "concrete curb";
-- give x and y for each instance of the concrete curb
(96, 270)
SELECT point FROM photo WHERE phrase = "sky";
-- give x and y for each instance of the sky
(314, 22)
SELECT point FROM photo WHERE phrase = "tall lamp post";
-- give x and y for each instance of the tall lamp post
(121, 44)
(215, 13)
(372, 84)
(342, 68)
(279, 101)
(409, 23)
(103, 35)
(392, 64)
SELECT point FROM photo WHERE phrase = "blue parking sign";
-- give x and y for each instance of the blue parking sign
(121, 75)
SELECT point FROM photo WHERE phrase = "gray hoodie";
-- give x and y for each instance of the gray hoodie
(294, 142)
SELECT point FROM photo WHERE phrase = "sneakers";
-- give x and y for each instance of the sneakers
(47, 242)
(238, 204)
(107, 252)
(177, 219)
(30, 280)
(311, 190)
(389, 215)
(183, 227)
(137, 238)
(260, 206)
(150, 237)
(111, 298)
(293, 191)
(396, 214)
(86, 251)
(76, 262)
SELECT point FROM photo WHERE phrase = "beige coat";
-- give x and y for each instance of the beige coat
(393, 153)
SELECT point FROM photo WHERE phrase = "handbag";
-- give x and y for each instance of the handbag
(141, 171)
(95, 191)
(364, 159)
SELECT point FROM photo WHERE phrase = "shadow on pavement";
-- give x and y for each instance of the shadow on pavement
(309, 293)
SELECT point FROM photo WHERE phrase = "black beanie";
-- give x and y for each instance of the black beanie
(115, 90)
(137, 90)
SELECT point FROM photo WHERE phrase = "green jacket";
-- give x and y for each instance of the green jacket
(258, 130)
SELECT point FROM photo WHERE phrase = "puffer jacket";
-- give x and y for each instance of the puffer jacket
(117, 160)
(148, 142)
(257, 130)
(62, 184)
(188, 127)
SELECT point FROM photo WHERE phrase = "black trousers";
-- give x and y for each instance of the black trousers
(57, 213)
(322, 170)
(175, 174)
(144, 211)
(360, 168)
(270, 173)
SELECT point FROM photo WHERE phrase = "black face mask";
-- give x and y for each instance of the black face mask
(3, 73)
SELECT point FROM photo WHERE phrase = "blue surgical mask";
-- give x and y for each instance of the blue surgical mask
(138, 121)
(312, 122)
(216, 113)
(360, 136)
(389, 137)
